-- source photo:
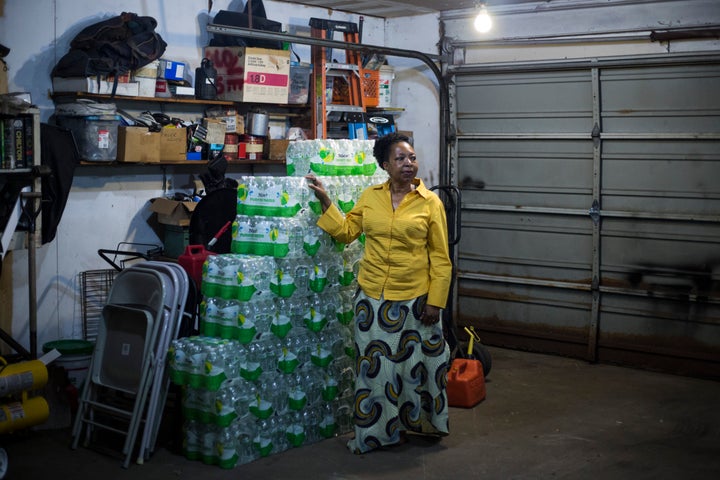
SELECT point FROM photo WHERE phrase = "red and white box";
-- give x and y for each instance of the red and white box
(251, 75)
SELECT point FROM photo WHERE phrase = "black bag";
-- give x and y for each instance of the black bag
(114, 46)
(236, 19)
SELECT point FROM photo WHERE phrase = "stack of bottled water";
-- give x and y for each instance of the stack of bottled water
(273, 366)
(331, 157)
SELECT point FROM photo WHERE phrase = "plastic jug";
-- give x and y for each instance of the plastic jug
(465, 383)
(192, 261)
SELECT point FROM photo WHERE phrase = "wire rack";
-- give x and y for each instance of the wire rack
(95, 286)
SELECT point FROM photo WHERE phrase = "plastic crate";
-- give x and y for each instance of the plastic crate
(370, 81)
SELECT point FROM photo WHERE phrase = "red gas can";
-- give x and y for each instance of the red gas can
(466, 383)
(192, 261)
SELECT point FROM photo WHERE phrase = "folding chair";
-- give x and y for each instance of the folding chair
(177, 293)
(115, 393)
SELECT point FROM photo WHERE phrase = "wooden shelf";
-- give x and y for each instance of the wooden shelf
(178, 100)
(182, 164)
(120, 98)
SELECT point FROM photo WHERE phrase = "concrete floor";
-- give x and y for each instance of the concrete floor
(544, 417)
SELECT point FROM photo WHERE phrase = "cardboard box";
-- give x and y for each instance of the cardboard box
(170, 70)
(234, 123)
(178, 91)
(90, 85)
(278, 148)
(138, 145)
(216, 130)
(172, 212)
(173, 144)
(253, 75)
(148, 71)
(146, 86)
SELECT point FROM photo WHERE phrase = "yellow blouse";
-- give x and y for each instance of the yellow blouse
(406, 250)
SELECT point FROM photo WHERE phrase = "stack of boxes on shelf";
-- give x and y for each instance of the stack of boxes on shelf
(273, 366)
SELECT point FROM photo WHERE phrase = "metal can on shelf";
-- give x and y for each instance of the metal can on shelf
(253, 147)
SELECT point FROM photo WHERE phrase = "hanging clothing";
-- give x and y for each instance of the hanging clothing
(59, 152)
(401, 373)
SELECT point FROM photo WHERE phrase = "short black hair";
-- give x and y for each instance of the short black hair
(381, 149)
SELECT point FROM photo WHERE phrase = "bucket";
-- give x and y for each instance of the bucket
(75, 356)
(387, 75)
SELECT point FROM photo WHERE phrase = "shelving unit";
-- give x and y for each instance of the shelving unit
(68, 96)
(299, 112)
(25, 207)
(325, 112)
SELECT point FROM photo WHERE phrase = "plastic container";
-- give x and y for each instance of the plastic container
(387, 75)
(75, 356)
(370, 80)
(192, 260)
(299, 83)
(95, 135)
(175, 240)
(465, 383)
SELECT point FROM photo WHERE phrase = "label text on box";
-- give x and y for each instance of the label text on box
(269, 79)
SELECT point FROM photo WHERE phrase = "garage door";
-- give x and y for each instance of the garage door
(591, 210)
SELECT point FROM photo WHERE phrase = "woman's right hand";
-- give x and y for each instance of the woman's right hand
(320, 193)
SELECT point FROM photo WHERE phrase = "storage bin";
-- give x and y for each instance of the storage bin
(95, 135)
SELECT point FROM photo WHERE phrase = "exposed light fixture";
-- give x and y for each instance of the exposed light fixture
(483, 22)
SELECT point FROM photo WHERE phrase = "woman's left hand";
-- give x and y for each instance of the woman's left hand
(430, 315)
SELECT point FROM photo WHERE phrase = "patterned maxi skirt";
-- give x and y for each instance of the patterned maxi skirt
(401, 370)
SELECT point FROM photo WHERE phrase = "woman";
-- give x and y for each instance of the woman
(404, 279)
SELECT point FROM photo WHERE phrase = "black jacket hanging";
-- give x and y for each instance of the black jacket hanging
(58, 151)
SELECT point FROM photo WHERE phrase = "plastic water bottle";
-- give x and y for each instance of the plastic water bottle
(346, 195)
(229, 311)
(226, 449)
(212, 275)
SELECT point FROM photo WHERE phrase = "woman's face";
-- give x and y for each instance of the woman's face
(401, 166)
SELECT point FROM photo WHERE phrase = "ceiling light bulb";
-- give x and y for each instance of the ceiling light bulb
(483, 22)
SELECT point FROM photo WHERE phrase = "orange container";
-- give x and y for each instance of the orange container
(192, 261)
(370, 82)
(466, 383)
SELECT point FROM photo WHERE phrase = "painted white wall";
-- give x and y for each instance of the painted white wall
(415, 88)
(571, 29)
(107, 205)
